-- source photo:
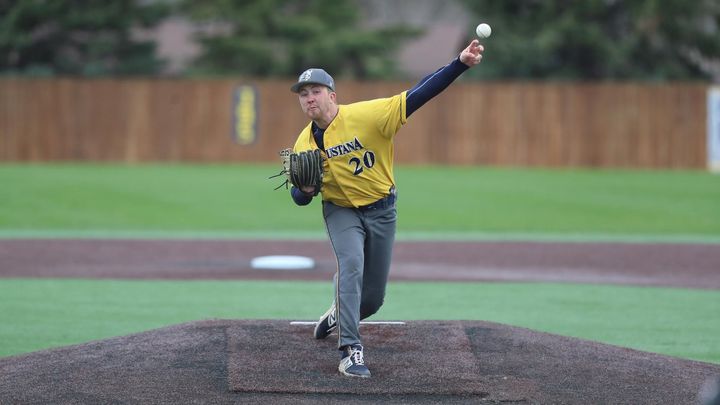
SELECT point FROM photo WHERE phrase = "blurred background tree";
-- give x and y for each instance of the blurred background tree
(285, 37)
(657, 40)
(72, 37)
(600, 39)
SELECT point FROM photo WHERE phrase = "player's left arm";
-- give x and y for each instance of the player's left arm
(302, 197)
(434, 83)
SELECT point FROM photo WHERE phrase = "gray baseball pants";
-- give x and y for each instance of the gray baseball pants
(362, 240)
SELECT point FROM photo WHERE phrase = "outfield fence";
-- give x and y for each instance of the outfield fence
(504, 124)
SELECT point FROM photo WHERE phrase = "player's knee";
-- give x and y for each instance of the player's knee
(370, 306)
(352, 264)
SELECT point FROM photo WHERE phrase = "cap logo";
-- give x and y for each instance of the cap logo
(305, 76)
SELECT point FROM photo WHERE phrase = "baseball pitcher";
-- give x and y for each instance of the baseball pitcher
(345, 154)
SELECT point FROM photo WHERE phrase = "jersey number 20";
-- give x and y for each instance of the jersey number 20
(368, 161)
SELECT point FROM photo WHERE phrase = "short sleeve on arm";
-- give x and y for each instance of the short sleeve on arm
(391, 113)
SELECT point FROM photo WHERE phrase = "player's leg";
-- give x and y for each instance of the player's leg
(346, 232)
(380, 227)
(347, 236)
(328, 321)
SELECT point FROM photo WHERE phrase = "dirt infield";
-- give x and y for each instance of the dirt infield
(666, 264)
(231, 361)
(228, 362)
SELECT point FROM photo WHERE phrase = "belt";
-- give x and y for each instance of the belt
(383, 203)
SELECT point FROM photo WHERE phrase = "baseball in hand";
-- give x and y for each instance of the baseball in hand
(483, 30)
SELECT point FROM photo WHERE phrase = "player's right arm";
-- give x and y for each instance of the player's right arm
(434, 83)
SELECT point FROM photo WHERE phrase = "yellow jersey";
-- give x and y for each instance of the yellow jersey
(358, 150)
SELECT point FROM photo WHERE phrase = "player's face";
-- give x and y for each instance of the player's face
(316, 101)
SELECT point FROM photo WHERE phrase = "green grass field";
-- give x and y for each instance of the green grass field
(43, 313)
(237, 200)
(72, 200)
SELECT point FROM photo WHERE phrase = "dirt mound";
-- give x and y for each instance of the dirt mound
(226, 361)
(417, 359)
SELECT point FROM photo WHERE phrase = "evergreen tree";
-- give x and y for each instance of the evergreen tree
(76, 37)
(284, 37)
(600, 39)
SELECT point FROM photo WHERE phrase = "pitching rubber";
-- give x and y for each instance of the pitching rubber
(361, 323)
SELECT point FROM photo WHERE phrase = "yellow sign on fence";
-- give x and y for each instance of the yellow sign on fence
(245, 114)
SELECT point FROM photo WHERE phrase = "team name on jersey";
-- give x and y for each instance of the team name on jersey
(344, 148)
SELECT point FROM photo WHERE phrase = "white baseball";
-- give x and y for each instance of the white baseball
(483, 30)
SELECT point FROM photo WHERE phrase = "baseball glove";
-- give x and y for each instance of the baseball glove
(304, 169)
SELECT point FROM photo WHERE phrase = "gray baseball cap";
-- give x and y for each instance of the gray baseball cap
(314, 76)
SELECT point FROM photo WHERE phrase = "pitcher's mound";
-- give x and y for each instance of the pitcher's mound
(225, 361)
(427, 358)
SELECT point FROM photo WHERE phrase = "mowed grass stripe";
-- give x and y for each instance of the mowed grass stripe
(407, 236)
(474, 200)
(44, 313)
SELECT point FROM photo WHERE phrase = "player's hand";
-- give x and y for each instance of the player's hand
(472, 55)
(309, 190)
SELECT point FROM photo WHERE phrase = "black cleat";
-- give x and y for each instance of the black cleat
(352, 363)
(327, 323)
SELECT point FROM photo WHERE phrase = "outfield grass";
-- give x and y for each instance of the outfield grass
(39, 314)
(83, 200)
(239, 198)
